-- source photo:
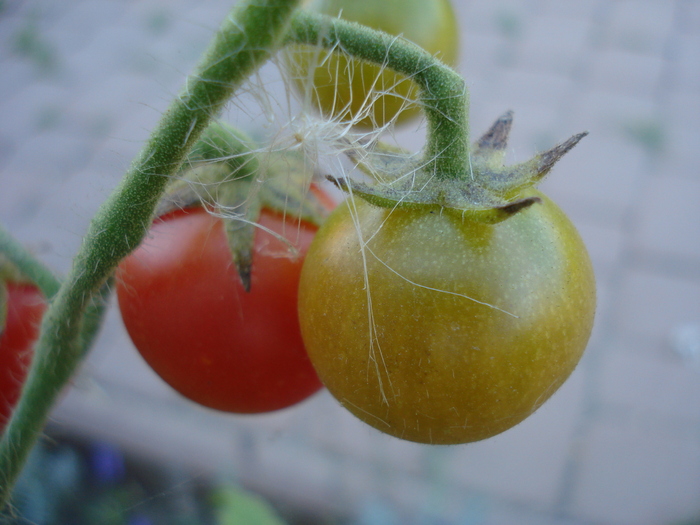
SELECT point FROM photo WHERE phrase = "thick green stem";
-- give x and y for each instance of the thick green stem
(442, 91)
(246, 40)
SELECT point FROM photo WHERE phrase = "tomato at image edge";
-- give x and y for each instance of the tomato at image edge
(25, 308)
(341, 86)
(186, 311)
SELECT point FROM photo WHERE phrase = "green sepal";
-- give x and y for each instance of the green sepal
(235, 182)
(383, 162)
(287, 188)
(198, 186)
(489, 192)
(510, 181)
(221, 142)
(395, 199)
(239, 209)
(215, 187)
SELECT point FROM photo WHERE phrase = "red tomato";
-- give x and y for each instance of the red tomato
(25, 308)
(188, 315)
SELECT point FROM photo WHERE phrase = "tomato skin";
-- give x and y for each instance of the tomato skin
(25, 308)
(342, 86)
(188, 315)
(434, 366)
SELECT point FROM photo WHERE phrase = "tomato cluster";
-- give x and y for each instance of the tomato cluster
(431, 322)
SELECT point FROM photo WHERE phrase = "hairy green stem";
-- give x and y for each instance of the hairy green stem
(443, 92)
(30, 267)
(246, 39)
(36, 272)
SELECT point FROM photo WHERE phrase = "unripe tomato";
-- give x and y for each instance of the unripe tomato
(367, 94)
(435, 328)
(25, 308)
(187, 313)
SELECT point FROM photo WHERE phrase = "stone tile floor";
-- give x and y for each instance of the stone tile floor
(83, 82)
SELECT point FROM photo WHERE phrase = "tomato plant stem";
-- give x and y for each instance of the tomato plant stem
(38, 274)
(28, 265)
(246, 39)
(443, 92)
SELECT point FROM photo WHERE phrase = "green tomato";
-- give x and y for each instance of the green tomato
(366, 94)
(435, 328)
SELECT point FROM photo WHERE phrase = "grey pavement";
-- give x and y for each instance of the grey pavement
(83, 82)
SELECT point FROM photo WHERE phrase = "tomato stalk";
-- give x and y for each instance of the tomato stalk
(245, 41)
(450, 175)
(31, 269)
(443, 91)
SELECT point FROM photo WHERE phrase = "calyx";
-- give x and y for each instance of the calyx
(488, 191)
(227, 175)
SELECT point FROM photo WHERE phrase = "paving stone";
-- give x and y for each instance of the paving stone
(505, 514)
(95, 411)
(604, 113)
(688, 16)
(580, 10)
(684, 68)
(605, 243)
(36, 170)
(601, 172)
(477, 53)
(488, 17)
(639, 26)
(554, 44)
(681, 135)
(669, 218)
(627, 73)
(652, 304)
(84, 15)
(636, 475)
(524, 87)
(650, 381)
(38, 106)
(301, 473)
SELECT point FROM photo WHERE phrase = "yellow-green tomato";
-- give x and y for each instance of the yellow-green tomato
(367, 94)
(439, 329)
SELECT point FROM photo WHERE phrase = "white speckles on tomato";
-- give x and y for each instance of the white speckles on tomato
(487, 319)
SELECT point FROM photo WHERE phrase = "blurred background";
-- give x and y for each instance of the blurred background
(82, 83)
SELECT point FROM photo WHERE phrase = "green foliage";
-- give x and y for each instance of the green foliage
(234, 506)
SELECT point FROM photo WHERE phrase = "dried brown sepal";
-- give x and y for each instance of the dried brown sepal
(519, 205)
(496, 138)
(546, 161)
(510, 181)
